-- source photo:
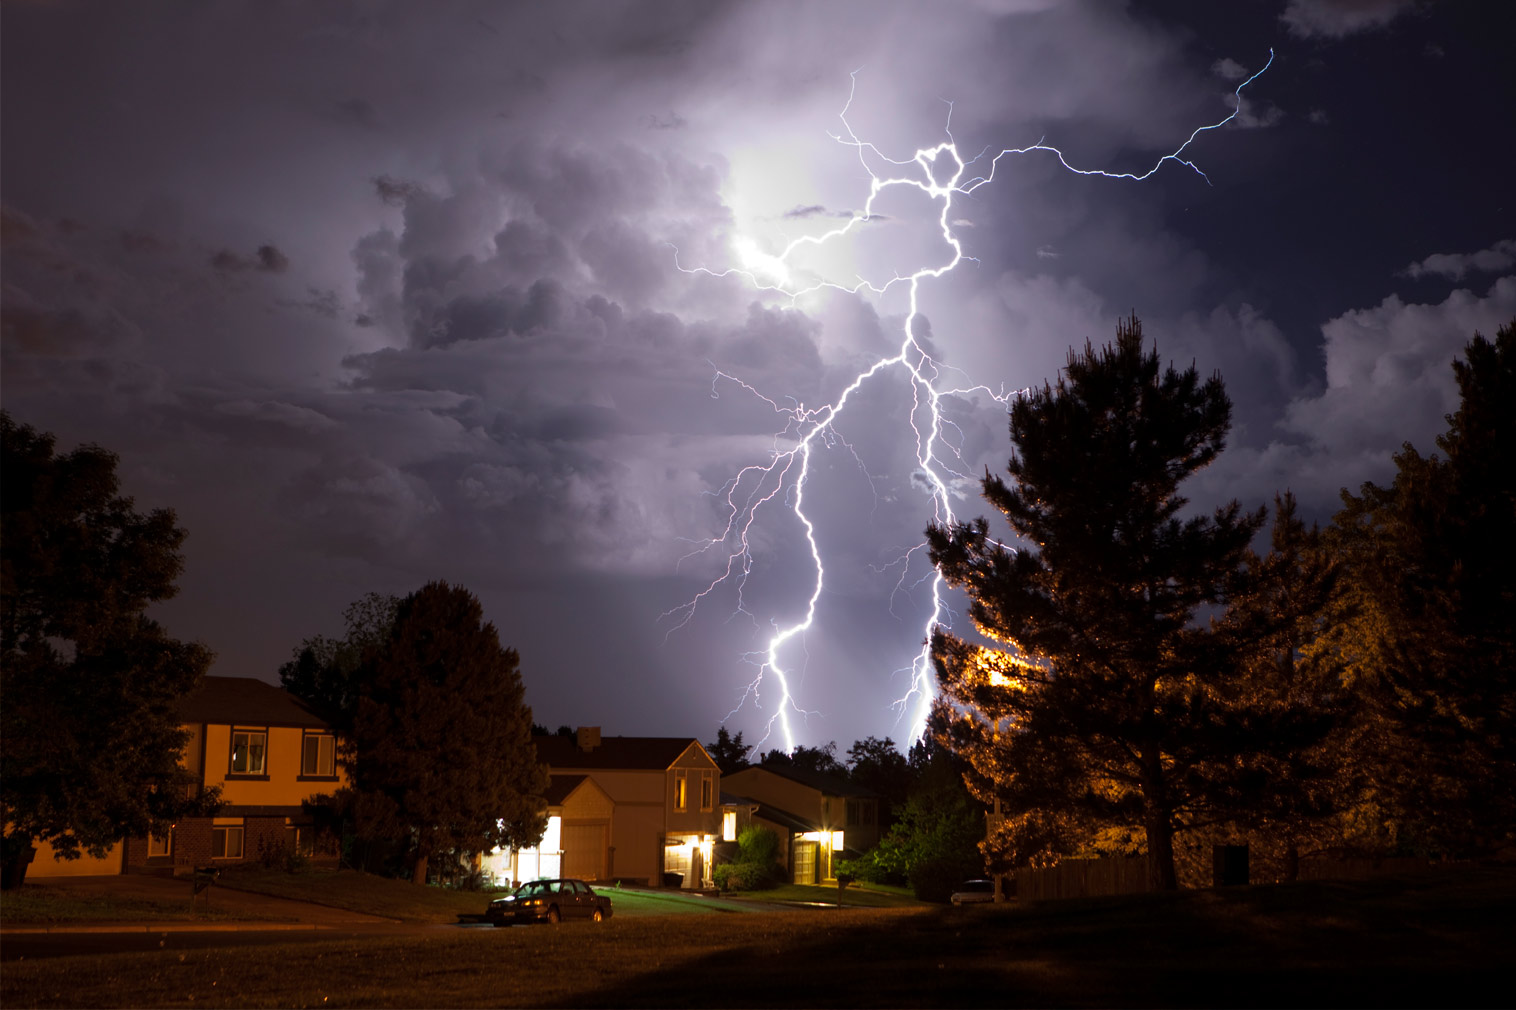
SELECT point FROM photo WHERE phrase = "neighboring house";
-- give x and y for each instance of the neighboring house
(624, 808)
(817, 817)
(266, 751)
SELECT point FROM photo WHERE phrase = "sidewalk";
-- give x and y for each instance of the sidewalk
(250, 912)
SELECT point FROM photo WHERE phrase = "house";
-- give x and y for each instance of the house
(624, 808)
(817, 817)
(267, 752)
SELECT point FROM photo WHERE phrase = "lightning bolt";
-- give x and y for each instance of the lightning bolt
(938, 172)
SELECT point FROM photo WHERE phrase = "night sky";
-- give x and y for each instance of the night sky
(374, 294)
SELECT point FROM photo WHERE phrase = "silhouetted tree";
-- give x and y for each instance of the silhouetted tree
(89, 720)
(933, 843)
(1430, 624)
(323, 669)
(1111, 704)
(821, 759)
(729, 752)
(440, 754)
(877, 766)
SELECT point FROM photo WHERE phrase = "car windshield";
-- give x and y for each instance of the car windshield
(532, 888)
(977, 886)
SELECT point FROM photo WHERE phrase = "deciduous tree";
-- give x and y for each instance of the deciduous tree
(1429, 629)
(91, 733)
(440, 756)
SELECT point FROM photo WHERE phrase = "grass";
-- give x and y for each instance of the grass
(855, 896)
(361, 892)
(643, 903)
(52, 904)
(1429, 940)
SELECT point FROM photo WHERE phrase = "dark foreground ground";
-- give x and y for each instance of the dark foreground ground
(1440, 939)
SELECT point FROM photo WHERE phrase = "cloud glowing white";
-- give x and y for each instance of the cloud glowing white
(938, 173)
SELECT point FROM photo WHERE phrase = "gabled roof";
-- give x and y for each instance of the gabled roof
(561, 787)
(827, 785)
(629, 753)
(246, 701)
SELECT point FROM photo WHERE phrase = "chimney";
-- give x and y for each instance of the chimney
(589, 738)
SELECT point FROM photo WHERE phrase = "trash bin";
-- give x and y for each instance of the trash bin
(673, 879)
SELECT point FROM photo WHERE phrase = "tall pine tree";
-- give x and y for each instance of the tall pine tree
(1105, 701)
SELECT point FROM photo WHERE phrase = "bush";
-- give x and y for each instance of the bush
(937, 879)
(743, 876)
(281, 854)
(757, 845)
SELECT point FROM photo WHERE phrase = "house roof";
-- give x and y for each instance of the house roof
(621, 752)
(827, 785)
(562, 787)
(785, 819)
(246, 701)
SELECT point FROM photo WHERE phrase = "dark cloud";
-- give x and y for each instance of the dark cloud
(265, 258)
(471, 354)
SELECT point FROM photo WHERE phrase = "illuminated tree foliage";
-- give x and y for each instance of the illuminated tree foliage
(440, 754)
(1112, 705)
(89, 721)
(1429, 628)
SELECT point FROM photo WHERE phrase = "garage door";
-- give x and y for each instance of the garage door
(584, 850)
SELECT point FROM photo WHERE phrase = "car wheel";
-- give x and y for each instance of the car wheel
(554, 916)
(599, 915)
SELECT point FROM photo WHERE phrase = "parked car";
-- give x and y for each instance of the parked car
(549, 901)
(973, 891)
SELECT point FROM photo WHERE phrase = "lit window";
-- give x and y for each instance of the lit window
(729, 825)
(248, 752)
(706, 789)
(320, 759)
(680, 799)
(226, 842)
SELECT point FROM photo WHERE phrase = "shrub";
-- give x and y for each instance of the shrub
(757, 845)
(743, 876)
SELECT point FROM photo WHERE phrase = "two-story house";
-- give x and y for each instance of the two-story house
(267, 752)
(818, 817)
(624, 807)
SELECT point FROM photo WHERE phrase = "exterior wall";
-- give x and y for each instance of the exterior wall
(780, 792)
(587, 815)
(637, 840)
(281, 786)
(694, 766)
(46, 863)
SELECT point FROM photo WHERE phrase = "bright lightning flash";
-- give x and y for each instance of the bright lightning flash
(937, 172)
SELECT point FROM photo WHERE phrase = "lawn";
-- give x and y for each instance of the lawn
(360, 892)
(51, 904)
(855, 896)
(1429, 940)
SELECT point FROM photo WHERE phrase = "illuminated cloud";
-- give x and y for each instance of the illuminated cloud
(1456, 266)
(1339, 18)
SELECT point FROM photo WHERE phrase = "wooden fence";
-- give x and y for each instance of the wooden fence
(1084, 878)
